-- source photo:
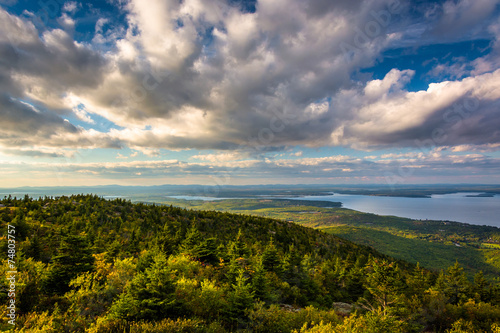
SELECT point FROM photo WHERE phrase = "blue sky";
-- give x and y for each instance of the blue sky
(226, 92)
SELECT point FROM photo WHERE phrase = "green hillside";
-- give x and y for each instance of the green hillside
(85, 264)
(433, 244)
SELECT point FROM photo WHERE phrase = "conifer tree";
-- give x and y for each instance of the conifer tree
(207, 251)
(150, 295)
(385, 284)
(454, 284)
(260, 286)
(192, 242)
(74, 257)
(482, 287)
(238, 248)
(270, 258)
(240, 298)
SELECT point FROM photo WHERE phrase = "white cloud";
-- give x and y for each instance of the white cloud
(385, 114)
(71, 6)
(205, 75)
(220, 157)
(66, 22)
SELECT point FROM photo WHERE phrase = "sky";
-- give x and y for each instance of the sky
(233, 92)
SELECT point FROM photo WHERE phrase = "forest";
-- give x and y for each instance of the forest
(87, 264)
(433, 244)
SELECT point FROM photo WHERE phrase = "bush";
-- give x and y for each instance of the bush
(371, 322)
(176, 326)
(163, 326)
(275, 319)
(321, 328)
(480, 315)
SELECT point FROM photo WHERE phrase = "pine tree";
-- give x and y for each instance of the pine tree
(270, 258)
(34, 250)
(192, 242)
(291, 266)
(418, 282)
(238, 248)
(385, 284)
(260, 286)
(240, 298)
(150, 295)
(456, 286)
(207, 251)
(74, 257)
(482, 287)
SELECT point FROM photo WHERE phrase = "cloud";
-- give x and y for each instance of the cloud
(23, 125)
(208, 75)
(418, 168)
(219, 157)
(71, 6)
(455, 69)
(463, 16)
(51, 153)
(447, 113)
(213, 94)
(18, 118)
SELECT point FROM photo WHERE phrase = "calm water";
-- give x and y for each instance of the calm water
(453, 207)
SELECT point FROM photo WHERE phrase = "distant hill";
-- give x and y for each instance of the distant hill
(141, 193)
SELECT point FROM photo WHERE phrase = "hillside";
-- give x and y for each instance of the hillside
(86, 264)
(433, 244)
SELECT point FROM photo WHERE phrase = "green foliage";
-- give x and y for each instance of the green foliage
(435, 244)
(207, 251)
(192, 241)
(286, 319)
(238, 248)
(91, 265)
(260, 284)
(149, 295)
(462, 326)
(40, 323)
(454, 284)
(372, 322)
(270, 258)
(240, 299)
(74, 256)
(163, 326)
(481, 287)
(385, 283)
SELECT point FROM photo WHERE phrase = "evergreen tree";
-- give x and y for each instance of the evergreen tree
(454, 284)
(133, 244)
(149, 296)
(291, 266)
(270, 258)
(240, 298)
(74, 257)
(207, 251)
(192, 242)
(34, 250)
(418, 282)
(260, 285)
(482, 287)
(238, 248)
(385, 284)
